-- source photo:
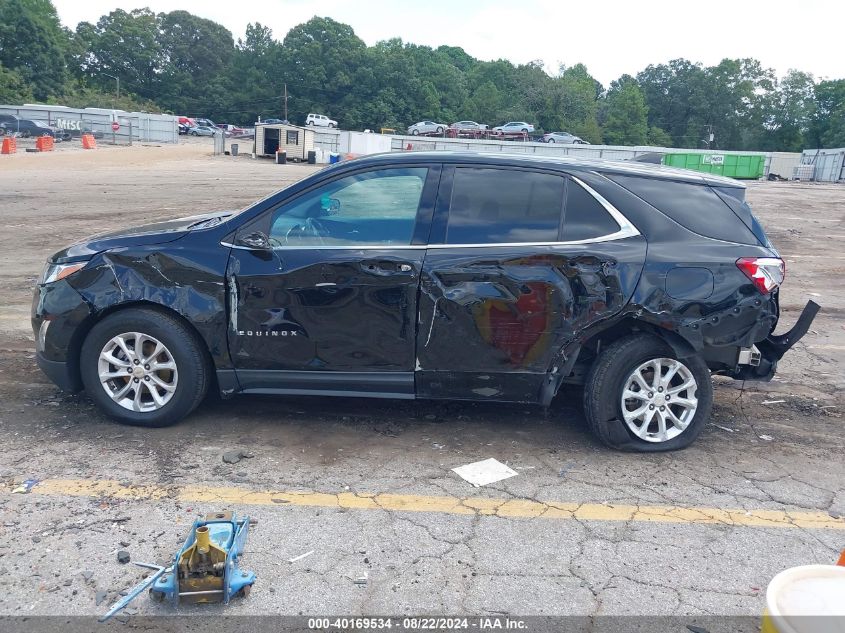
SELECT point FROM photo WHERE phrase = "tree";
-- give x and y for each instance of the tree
(658, 137)
(195, 55)
(319, 62)
(626, 114)
(125, 45)
(33, 45)
(827, 128)
(13, 88)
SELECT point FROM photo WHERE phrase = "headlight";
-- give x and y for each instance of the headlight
(55, 272)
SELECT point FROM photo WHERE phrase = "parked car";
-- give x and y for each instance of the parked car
(477, 276)
(320, 120)
(204, 130)
(10, 121)
(274, 122)
(563, 137)
(515, 127)
(184, 128)
(32, 127)
(426, 127)
(468, 125)
(232, 130)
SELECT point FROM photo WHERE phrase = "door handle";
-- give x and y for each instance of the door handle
(386, 267)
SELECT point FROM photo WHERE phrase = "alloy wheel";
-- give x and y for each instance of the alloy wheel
(659, 400)
(137, 371)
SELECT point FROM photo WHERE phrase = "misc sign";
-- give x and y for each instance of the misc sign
(714, 159)
(69, 124)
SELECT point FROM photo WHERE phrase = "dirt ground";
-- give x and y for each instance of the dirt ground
(367, 487)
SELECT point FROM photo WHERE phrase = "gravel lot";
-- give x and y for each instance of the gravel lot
(367, 485)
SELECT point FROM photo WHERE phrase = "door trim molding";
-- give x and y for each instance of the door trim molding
(366, 384)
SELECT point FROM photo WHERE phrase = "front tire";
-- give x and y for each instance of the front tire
(640, 397)
(144, 367)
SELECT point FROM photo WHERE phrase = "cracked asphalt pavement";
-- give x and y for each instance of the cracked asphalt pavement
(367, 485)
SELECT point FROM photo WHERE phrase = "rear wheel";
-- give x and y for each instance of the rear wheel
(639, 396)
(439, 130)
(144, 367)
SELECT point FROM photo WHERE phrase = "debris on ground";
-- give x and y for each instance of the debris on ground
(485, 472)
(123, 557)
(26, 486)
(767, 438)
(99, 597)
(724, 428)
(300, 557)
(773, 402)
(361, 580)
(233, 457)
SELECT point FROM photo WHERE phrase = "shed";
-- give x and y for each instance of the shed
(296, 141)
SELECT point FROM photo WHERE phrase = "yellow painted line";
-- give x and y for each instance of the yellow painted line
(511, 508)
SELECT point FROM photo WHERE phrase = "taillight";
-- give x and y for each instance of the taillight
(766, 273)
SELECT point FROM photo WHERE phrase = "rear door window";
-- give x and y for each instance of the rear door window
(585, 217)
(694, 206)
(504, 206)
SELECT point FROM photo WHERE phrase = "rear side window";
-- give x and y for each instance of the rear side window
(585, 218)
(499, 206)
(695, 207)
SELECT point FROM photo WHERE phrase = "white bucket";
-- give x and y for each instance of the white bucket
(810, 590)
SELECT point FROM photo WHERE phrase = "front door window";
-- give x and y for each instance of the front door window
(374, 208)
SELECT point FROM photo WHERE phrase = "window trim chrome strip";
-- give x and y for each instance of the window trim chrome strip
(626, 229)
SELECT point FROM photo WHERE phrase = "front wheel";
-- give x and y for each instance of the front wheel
(144, 367)
(439, 130)
(551, 140)
(639, 396)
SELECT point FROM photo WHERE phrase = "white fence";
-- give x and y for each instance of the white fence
(134, 126)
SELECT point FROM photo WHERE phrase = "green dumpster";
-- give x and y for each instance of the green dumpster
(741, 166)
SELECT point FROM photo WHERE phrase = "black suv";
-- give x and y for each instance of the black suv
(432, 275)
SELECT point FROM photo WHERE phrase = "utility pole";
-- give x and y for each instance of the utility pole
(286, 102)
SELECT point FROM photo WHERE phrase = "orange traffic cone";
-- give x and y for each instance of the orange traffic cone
(841, 561)
(10, 146)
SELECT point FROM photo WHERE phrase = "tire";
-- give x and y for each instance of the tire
(180, 346)
(331, 125)
(415, 133)
(439, 130)
(612, 372)
(551, 140)
(194, 134)
(311, 123)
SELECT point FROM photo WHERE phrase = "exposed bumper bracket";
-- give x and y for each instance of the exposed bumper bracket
(774, 347)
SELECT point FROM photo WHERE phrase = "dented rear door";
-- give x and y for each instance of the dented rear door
(507, 282)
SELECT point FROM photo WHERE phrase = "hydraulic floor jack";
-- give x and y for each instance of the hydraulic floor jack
(204, 570)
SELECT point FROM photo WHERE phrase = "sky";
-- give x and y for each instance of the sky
(611, 37)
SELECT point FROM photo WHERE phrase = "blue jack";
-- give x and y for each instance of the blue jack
(204, 570)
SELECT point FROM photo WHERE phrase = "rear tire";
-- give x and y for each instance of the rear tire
(618, 368)
(163, 341)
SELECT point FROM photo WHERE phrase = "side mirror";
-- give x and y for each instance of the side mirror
(256, 240)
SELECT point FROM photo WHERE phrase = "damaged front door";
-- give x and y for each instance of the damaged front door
(323, 288)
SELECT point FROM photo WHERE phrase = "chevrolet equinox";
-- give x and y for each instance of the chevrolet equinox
(432, 275)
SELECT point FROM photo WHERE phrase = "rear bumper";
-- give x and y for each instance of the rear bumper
(774, 347)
